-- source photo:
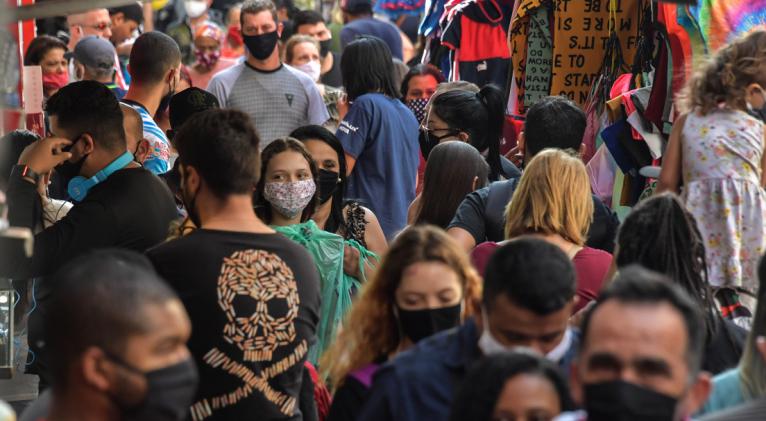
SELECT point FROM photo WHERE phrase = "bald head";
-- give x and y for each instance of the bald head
(93, 22)
(134, 127)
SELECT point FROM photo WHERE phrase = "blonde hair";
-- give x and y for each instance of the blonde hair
(370, 329)
(553, 197)
(295, 40)
(726, 76)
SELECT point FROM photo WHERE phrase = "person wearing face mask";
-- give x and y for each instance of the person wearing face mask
(517, 310)
(474, 118)
(134, 133)
(640, 353)
(93, 22)
(194, 14)
(120, 354)
(49, 53)
(234, 47)
(418, 86)
(207, 52)
(155, 62)
(116, 203)
(278, 98)
(252, 295)
(127, 21)
(423, 286)
(335, 213)
(311, 23)
(286, 198)
(716, 149)
(93, 59)
(302, 53)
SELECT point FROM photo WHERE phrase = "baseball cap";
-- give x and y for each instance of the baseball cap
(188, 102)
(94, 52)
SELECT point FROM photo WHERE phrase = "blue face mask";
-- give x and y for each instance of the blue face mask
(78, 186)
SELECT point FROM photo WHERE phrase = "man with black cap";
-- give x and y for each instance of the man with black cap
(358, 20)
(183, 106)
(93, 59)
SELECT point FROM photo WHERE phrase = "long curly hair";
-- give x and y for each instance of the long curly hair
(370, 330)
(725, 78)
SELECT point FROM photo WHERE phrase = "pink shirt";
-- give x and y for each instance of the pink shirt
(200, 80)
(590, 264)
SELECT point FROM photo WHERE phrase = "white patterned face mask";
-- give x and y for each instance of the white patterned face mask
(291, 197)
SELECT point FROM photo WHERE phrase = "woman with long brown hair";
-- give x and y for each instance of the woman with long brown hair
(425, 284)
(553, 201)
(454, 169)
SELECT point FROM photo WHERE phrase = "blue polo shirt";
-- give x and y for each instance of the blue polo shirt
(381, 133)
(419, 383)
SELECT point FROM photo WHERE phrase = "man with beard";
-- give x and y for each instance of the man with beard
(117, 203)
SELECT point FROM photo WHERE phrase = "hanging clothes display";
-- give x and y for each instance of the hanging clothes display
(581, 35)
(475, 32)
(723, 20)
(396, 8)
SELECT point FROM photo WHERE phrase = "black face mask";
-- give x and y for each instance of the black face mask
(428, 140)
(191, 212)
(328, 182)
(164, 103)
(261, 46)
(419, 324)
(169, 393)
(324, 47)
(622, 401)
(69, 170)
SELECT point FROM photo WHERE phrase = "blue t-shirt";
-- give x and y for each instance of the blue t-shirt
(377, 28)
(382, 135)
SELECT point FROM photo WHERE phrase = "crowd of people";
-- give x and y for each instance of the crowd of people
(236, 217)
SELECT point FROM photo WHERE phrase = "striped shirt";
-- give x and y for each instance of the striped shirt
(159, 159)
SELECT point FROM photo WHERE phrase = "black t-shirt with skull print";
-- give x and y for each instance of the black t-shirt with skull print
(253, 300)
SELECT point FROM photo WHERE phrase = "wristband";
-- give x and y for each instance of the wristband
(25, 172)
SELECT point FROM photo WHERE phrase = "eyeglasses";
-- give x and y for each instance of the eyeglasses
(101, 26)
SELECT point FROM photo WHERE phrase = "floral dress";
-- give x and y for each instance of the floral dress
(722, 177)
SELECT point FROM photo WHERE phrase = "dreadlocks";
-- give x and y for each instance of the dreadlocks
(661, 235)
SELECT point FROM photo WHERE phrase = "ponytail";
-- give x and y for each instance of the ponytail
(481, 115)
(493, 101)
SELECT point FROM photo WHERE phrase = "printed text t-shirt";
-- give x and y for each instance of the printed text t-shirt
(381, 133)
(253, 300)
